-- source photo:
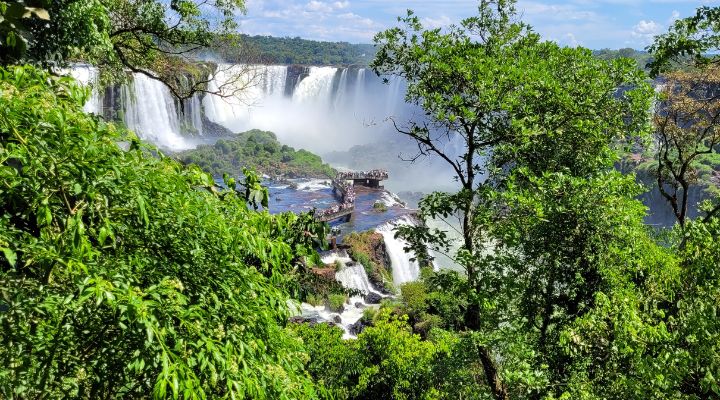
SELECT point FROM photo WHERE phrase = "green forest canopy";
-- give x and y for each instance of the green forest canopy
(259, 151)
(286, 50)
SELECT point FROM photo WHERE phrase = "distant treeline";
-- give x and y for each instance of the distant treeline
(641, 57)
(286, 50)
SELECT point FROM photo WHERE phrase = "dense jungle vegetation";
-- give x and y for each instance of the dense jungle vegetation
(125, 274)
(259, 151)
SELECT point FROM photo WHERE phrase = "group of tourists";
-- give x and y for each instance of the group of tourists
(347, 190)
(347, 193)
(379, 174)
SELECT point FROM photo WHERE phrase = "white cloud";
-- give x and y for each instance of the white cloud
(645, 31)
(318, 6)
(439, 22)
(339, 5)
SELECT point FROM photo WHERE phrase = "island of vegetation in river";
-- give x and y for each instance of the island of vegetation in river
(260, 151)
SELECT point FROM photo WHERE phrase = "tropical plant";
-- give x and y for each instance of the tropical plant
(124, 274)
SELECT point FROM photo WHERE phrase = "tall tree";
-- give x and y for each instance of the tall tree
(687, 117)
(538, 198)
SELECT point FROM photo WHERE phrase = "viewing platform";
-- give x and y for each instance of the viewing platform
(344, 192)
(329, 214)
(370, 179)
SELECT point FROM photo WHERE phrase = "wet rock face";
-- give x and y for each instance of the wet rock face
(312, 320)
(214, 129)
(358, 327)
(327, 273)
(373, 298)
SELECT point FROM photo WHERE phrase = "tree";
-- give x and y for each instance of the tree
(540, 127)
(14, 36)
(687, 127)
(694, 39)
(124, 274)
(687, 117)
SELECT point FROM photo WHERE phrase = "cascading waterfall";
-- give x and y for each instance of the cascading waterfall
(352, 276)
(403, 270)
(316, 88)
(150, 111)
(240, 89)
(355, 277)
(360, 87)
(193, 114)
(328, 108)
(341, 94)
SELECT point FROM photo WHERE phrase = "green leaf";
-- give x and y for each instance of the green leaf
(10, 256)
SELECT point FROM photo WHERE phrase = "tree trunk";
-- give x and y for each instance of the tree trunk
(498, 388)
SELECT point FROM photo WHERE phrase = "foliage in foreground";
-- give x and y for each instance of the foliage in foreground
(566, 295)
(389, 361)
(124, 274)
(260, 151)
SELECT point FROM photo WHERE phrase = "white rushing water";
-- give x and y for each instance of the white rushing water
(88, 75)
(352, 276)
(150, 111)
(321, 109)
(403, 270)
(317, 108)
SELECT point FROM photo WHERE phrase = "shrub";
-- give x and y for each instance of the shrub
(336, 302)
(414, 295)
(314, 300)
(380, 206)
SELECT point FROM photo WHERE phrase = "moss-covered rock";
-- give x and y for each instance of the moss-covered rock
(368, 248)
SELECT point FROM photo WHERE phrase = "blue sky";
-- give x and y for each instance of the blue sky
(594, 24)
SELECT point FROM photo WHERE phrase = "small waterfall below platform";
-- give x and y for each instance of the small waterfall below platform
(403, 269)
(352, 276)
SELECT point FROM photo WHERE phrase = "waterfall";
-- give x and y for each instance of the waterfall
(352, 276)
(240, 89)
(327, 108)
(355, 277)
(360, 88)
(317, 87)
(341, 92)
(403, 269)
(88, 76)
(150, 111)
(193, 114)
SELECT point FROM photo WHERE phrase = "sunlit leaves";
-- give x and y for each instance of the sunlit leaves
(123, 273)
